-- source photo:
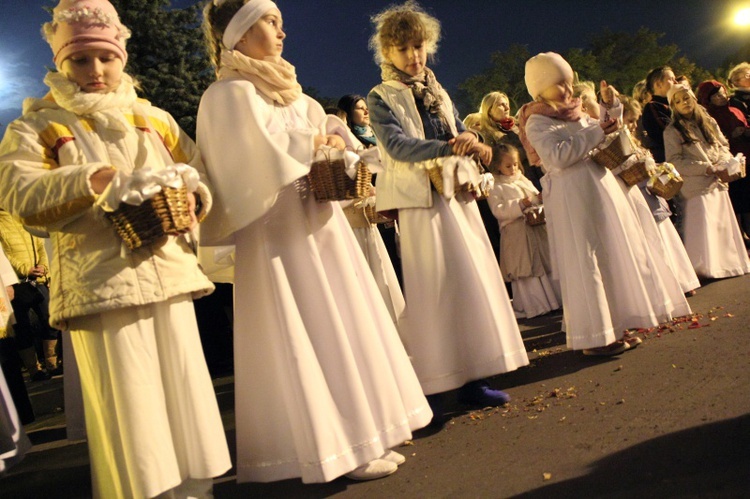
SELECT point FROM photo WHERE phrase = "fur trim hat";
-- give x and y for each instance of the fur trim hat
(544, 70)
(706, 90)
(85, 24)
(679, 87)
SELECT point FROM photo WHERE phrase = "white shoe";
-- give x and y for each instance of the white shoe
(394, 457)
(377, 468)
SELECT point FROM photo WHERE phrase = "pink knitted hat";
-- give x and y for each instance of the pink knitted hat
(85, 24)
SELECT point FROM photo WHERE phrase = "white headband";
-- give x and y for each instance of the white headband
(244, 19)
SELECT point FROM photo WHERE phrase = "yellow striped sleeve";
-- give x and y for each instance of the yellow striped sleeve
(60, 212)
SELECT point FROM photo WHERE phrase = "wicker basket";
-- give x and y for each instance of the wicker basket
(535, 215)
(615, 152)
(167, 213)
(373, 216)
(362, 215)
(666, 190)
(436, 177)
(726, 177)
(637, 173)
(329, 181)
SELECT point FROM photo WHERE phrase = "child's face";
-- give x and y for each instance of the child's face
(360, 113)
(410, 58)
(683, 103)
(630, 120)
(509, 164)
(720, 98)
(590, 104)
(561, 93)
(265, 38)
(94, 70)
(500, 109)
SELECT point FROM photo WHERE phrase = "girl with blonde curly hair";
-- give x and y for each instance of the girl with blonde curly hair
(458, 326)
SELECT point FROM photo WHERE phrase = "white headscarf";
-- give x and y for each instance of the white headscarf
(244, 19)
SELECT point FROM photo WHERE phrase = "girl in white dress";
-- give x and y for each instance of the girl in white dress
(323, 384)
(524, 249)
(667, 294)
(152, 421)
(674, 249)
(597, 251)
(695, 145)
(458, 325)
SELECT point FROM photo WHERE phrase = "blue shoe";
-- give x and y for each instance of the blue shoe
(479, 393)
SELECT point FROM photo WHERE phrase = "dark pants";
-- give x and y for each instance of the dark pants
(28, 333)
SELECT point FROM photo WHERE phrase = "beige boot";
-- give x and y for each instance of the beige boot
(50, 356)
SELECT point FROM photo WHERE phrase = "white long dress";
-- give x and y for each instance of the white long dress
(458, 325)
(597, 251)
(677, 256)
(376, 254)
(323, 383)
(712, 236)
(667, 295)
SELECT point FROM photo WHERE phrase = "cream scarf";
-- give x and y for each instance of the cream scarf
(105, 108)
(274, 77)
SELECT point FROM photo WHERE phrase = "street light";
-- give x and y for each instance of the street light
(742, 17)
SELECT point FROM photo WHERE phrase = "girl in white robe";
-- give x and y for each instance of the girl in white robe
(598, 252)
(695, 145)
(323, 384)
(675, 255)
(524, 249)
(458, 325)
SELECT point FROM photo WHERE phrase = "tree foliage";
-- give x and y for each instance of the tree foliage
(166, 55)
(620, 58)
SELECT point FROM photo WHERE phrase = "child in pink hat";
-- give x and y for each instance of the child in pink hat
(152, 420)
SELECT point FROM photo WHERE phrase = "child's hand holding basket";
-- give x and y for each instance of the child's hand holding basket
(147, 205)
(731, 169)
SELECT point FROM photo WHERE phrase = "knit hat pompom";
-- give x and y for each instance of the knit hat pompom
(544, 70)
(82, 25)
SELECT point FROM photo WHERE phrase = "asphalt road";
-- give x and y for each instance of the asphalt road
(668, 419)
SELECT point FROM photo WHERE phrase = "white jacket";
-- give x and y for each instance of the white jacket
(505, 198)
(406, 184)
(46, 159)
(692, 160)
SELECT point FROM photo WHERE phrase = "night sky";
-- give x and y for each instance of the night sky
(327, 39)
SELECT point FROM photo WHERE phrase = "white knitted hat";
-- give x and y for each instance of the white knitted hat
(544, 70)
(679, 87)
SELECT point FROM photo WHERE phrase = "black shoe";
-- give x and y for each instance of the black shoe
(437, 404)
(58, 371)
